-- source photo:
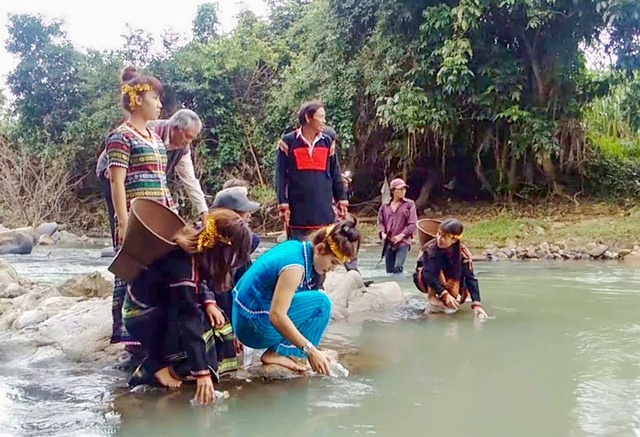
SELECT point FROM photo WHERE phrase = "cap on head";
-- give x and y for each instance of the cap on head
(235, 198)
(397, 184)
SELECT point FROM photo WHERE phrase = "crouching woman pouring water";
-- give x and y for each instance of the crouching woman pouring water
(166, 307)
(274, 306)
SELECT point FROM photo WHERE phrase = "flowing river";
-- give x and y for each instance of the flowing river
(561, 357)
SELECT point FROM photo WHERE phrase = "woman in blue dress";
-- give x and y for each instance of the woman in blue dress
(275, 307)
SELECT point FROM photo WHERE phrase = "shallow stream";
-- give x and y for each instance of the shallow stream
(560, 358)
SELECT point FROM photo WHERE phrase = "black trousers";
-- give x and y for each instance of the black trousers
(105, 187)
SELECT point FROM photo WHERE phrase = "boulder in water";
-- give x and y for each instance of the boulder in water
(16, 242)
(64, 237)
(107, 252)
(349, 295)
(46, 229)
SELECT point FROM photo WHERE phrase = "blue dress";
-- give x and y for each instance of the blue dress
(309, 310)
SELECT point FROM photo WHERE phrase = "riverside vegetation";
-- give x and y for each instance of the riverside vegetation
(471, 100)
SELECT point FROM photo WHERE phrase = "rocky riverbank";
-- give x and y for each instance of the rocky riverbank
(560, 251)
(71, 322)
(21, 241)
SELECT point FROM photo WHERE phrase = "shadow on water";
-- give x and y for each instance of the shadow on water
(560, 358)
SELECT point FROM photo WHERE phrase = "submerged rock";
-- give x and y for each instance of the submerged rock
(271, 372)
(349, 295)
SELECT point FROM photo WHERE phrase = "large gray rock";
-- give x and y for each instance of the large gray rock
(46, 229)
(349, 295)
(16, 242)
(598, 251)
(28, 231)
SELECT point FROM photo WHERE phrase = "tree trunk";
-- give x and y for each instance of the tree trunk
(550, 171)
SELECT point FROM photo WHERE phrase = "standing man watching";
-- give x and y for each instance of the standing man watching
(308, 175)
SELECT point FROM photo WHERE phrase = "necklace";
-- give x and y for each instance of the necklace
(307, 268)
(148, 137)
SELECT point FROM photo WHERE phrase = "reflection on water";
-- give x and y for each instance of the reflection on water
(561, 358)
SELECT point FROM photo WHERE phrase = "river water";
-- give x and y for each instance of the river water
(561, 357)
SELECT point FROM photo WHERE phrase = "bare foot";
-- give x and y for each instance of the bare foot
(165, 378)
(435, 303)
(271, 357)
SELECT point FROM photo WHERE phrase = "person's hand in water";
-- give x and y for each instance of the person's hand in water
(450, 301)
(319, 361)
(205, 391)
(478, 311)
(215, 316)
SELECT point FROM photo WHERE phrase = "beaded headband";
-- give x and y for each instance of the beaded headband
(133, 90)
(453, 236)
(209, 235)
(334, 247)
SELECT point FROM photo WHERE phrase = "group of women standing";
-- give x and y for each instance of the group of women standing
(169, 308)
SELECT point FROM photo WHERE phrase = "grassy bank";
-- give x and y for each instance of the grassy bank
(576, 225)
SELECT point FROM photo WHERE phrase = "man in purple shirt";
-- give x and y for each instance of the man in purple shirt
(396, 225)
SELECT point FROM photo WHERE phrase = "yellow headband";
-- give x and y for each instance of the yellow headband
(334, 247)
(453, 236)
(133, 90)
(209, 235)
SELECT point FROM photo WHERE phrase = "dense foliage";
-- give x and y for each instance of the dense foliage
(480, 97)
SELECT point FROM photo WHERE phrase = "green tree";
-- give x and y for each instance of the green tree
(46, 82)
(206, 23)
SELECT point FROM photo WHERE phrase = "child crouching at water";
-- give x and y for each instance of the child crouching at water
(445, 271)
